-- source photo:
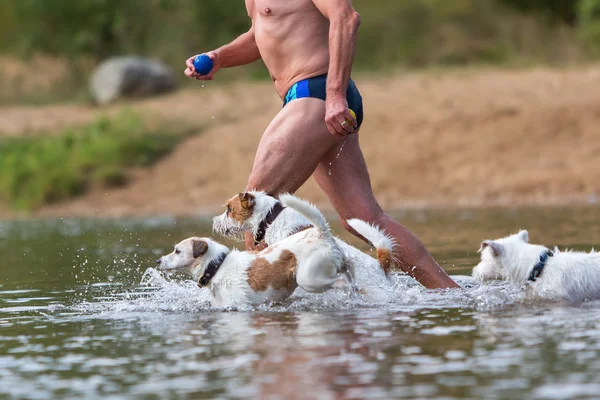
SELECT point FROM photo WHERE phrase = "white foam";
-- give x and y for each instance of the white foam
(157, 293)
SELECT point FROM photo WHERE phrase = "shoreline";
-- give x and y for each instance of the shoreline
(207, 213)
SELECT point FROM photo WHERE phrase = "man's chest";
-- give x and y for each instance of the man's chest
(277, 8)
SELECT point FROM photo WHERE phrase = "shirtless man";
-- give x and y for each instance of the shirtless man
(308, 47)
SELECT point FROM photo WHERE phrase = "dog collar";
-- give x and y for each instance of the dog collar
(211, 270)
(539, 267)
(265, 223)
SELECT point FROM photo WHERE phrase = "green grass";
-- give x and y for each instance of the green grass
(43, 169)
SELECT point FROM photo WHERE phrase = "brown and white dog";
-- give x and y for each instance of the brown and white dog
(270, 221)
(310, 259)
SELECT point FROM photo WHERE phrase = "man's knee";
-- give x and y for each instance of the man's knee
(254, 184)
(258, 182)
(374, 217)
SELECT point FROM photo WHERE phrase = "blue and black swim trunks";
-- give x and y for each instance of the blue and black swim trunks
(316, 87)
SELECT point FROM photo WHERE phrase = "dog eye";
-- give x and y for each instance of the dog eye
(228, 209)
(177, 251)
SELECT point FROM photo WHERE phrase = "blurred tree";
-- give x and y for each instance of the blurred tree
(100, 28)
(565, 10)
(405, 33)
(589, 16)
(7, 22)
(65, 27)
(215, 22)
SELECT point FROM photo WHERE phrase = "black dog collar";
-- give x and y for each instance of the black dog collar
(539, 267)
(211, 270)
(265, 223)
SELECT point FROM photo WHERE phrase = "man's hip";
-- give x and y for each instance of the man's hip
(317, 87)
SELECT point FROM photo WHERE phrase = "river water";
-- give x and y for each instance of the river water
(84, 315)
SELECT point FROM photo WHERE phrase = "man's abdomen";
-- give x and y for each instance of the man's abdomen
(293, 47)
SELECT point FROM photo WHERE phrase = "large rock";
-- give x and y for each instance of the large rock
(121, 77)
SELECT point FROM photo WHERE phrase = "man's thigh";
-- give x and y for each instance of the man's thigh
(342, 174)
(291, 147)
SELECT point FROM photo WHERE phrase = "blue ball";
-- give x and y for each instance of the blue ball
(203, 64)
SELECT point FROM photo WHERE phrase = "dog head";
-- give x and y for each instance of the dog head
(192, 256)
(244, 213)
(496, 255)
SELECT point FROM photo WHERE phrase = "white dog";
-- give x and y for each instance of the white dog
(310, 259)
(269, 221)
(571, 276)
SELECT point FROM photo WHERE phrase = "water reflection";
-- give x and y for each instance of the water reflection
(76, 322)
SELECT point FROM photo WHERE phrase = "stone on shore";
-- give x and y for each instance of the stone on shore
(130, 77)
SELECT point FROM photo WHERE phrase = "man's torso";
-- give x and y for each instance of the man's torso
(293, 39)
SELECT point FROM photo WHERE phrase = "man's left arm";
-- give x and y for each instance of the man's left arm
(343, 31)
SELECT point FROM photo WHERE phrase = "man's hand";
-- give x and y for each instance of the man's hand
(190, 71)
(336, 114)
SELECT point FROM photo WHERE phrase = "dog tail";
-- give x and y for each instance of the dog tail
(379, 239)
(309, 212)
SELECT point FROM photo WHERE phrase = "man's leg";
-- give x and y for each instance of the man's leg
(344, 178)
(290, 149)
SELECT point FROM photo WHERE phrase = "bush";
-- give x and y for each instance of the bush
(102, 28)
(416, 33)
(39, 170)
(589, 27)
(393, 31)
(405, 33)
(565, 10)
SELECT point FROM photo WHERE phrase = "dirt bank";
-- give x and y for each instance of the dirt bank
(430, 139)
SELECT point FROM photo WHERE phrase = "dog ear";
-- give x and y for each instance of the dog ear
(247, 200)
(496, 247)
(199, 247)
(484, 244)
(524, 236)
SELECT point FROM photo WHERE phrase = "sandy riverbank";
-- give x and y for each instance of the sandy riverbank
(471, 138)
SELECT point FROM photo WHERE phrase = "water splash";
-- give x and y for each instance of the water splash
(158, 293)
(337, 156)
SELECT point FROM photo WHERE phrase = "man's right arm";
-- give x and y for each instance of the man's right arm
(241, 51)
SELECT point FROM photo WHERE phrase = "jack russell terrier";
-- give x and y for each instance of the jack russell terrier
(270, 221)
(550, 274)
(310, 259)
